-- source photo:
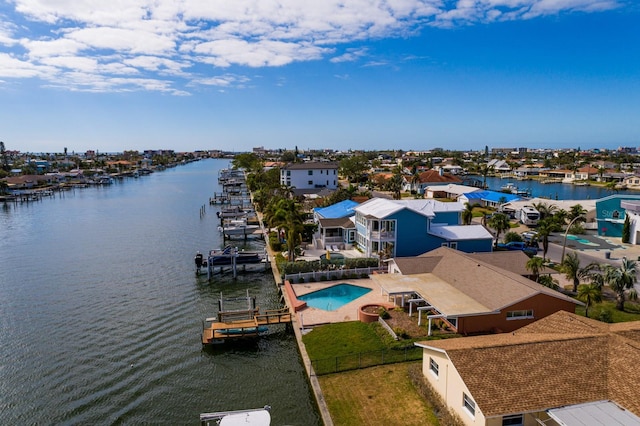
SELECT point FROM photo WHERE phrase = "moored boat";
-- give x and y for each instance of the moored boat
(251, 417)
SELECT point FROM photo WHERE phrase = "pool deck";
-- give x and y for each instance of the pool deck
(311, 316)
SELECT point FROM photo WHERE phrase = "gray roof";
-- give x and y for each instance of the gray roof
(461, 232)
(605, 413)
(310, 166)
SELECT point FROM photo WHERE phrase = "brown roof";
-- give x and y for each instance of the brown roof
(514, 261)
(342, 222)
(435, 177)
(562, 359)
(490, 285)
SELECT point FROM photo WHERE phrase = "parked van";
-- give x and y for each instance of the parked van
(528, 215)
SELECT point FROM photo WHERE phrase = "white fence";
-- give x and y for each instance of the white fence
(336, 274)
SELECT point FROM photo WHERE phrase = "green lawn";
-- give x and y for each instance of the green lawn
(631, 311)
(342, 338)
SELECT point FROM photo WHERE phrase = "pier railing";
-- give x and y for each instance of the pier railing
(365, 359)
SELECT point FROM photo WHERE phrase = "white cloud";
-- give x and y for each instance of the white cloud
(107, 45)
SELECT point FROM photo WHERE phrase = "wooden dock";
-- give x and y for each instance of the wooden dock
(241, 324)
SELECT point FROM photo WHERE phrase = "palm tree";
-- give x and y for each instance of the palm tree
(621, 281)
(589, 293)
(545, 209)
(484, 171)
(548, 281)
(571, 268)
(535, 265)
(545, 228)
(467, 214)
(576, 211)
(499, 222)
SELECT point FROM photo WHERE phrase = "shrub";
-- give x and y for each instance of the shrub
(382, 313)
(576, 229)
(323, 277)
(401, 333)
(364, 275)
(512, 236)
(605, 315)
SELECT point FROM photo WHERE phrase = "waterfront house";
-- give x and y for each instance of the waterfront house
(311, 177)
(451, 191)
(410, 227)
(469, 294)
(632, 181)
(435, 177)
(336, 226)
(499, 166)
(488, 198)
(561, 370)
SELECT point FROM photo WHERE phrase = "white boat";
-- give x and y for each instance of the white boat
(238, 227)
(252, 417)
(509, 187)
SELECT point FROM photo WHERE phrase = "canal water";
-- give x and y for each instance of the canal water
(555, 191)
(101, 311)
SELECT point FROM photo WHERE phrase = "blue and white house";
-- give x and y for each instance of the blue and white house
(611, 212)
(400, 228)
(336, 227)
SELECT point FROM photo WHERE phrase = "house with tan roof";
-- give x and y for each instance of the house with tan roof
(468, 293)
(563, 370)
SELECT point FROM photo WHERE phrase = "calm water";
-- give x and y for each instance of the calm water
(101, 312)
(559, 191)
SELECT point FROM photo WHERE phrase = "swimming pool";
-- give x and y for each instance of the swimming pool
(335, 297)
(581, 240)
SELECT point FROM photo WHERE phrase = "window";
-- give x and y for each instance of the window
(516, 420)
(288, 172)
(523, 314)
(433, 366)
(310, 182)
(310, 172)
(444, 245)
(454, 246)
(469, 404)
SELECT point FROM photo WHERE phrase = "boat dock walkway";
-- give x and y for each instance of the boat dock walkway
(232, 325)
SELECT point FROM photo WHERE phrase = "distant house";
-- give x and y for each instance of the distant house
(411, 227)
(435, 177)
(471, 295)
(499, 166)
(307, 178)
(562, 370)
(488, 198)
(336, 226)
(451, 191)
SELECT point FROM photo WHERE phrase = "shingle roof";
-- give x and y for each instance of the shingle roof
(444, 274)
(513, 260)
(562, 359)
(435, 176)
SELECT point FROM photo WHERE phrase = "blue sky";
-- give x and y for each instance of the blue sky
(357, 74)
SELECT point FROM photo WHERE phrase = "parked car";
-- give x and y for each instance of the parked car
(530, 235)
(519, 245)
